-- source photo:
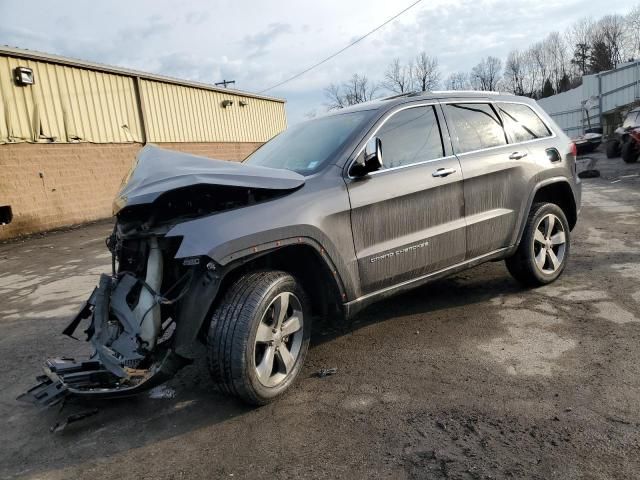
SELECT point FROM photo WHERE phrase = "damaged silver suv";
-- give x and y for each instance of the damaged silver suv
(235, 260)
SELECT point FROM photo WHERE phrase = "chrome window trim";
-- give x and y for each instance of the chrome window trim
(381, 124)
(458, 155)
(391, 169)
(493, 102)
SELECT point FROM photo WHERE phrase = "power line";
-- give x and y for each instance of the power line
(342, 50)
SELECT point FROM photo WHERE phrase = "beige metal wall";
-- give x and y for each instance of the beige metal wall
(176, 113)
(74, 104)
(67, 104)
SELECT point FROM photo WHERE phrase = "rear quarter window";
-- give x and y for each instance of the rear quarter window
(475, 126)
(521, 122)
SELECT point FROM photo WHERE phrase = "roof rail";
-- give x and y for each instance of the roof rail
(399, 95)
(453, 92)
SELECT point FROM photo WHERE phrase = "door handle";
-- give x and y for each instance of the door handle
(443, 172)
(517, 155)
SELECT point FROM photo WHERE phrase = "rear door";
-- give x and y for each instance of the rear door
(408, 218)
(494, 174)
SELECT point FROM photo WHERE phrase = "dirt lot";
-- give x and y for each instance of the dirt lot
(470, 377)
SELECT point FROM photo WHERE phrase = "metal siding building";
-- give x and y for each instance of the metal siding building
(610, 93)
(73, 101)
(68, 139)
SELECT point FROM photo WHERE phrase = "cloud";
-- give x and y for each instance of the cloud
(261, 45)
(257, 43)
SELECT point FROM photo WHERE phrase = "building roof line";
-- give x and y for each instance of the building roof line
(5, 50)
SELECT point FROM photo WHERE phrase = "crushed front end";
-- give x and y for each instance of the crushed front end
(145, 319)
(142, 321)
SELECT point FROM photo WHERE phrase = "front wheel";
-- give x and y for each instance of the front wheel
(544, 248)
(259, 336)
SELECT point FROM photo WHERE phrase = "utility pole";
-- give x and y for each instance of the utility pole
(224, 83)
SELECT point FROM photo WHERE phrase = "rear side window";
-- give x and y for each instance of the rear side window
(521, 122)
(475, 126)
(411, 136)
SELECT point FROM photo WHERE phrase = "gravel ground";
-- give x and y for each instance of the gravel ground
(470, 377)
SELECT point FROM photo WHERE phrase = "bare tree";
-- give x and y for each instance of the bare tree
(539, 59)
(458, 81)
(514, 72)
(398, 77)
(558, 61)
(610, 36)
(486, 75)
(580, 37)
(633, 32)
(358, 89)
(335, 97)
(426, 74)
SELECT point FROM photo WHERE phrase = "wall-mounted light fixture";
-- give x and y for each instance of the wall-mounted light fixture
(227, 103)
(243, 103)
(23, 76)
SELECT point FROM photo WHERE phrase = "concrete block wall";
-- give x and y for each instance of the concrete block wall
(49, 186)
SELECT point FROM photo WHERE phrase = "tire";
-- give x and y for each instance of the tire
(613, 148)
(246, 334)
(630, 151)
(532, 264)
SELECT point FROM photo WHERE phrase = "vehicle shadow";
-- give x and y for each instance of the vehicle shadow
(478, 285)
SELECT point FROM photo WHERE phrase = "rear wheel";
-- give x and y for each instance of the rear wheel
(544, 248)
(259, 336)
(613, 148)
(630, 151)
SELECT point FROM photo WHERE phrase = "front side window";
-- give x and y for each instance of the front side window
(476, 126)
(305, 148)
(411, 136)
(522, 123)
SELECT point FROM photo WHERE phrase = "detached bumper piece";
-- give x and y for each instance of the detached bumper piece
(62, 376)
(114, 368)
(65, 377)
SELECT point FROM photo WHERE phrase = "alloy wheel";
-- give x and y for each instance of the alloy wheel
(278, 339)
(549, 244)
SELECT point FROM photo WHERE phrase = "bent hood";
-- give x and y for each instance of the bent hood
(157, 171)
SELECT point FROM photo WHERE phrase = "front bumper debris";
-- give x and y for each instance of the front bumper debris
(119, 365)
(64, 377)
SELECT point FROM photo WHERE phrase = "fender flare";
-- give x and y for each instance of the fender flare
(532, 195)
(236, 259)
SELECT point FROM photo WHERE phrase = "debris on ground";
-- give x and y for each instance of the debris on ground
(60, 426)
(325, 372)
(589, 173)
(162, 391)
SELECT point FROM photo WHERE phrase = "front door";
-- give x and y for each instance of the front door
(408, 217)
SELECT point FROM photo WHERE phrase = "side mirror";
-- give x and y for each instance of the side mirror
(370, 159)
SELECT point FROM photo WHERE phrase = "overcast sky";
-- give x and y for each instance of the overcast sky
(260, 43)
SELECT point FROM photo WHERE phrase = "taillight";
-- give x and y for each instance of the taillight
(573, 149)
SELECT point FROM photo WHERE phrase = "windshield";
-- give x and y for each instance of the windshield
(631, 120)
(308, 146)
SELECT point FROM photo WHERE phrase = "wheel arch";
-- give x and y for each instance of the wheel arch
(557, 191)
(306, 261)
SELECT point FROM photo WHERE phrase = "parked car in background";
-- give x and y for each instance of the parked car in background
(626, 139)
(235, 261)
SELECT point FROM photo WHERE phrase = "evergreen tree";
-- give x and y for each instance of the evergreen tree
(547, 89)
